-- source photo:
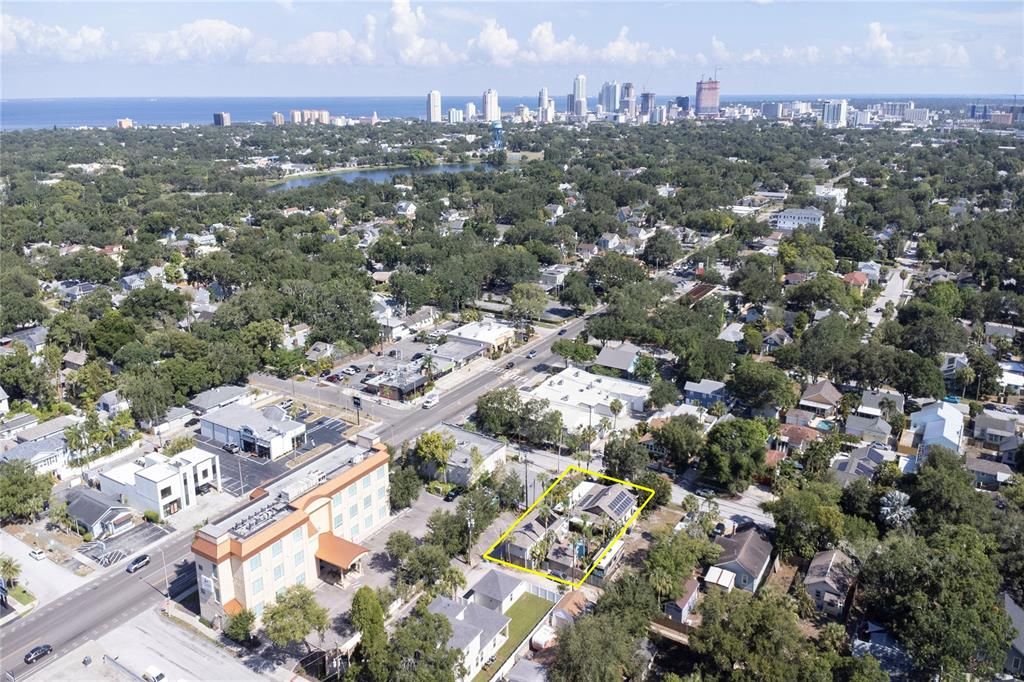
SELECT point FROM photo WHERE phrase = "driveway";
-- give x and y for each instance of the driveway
(43, 578)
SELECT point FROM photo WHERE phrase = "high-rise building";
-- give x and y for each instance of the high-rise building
(570, 104)
(659, 114)
(492, 112)
(542, 99)
(611, 93)
(296, 115)
(771, 110)
(222, 118)
(646, 103)
(455, 115)
(469, 110)
(833, 113)
(579, 95)
(124, 123)
(434, 106)
(706, 101)
(683, 103)
(277, 118)
(323, 116)
(547, 114)
(627, 99)
(896, 110)
(916, 116)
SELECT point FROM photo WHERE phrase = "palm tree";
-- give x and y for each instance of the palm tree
(59, 515)
(888, 408)
(662, 581)
(77, 440)
(895, 510)
(965, 376)
(428, 366)
(616, 407)
(10, 569)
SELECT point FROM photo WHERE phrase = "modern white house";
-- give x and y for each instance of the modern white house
(939, 423)
(163, 485)
(268, 432)
(493, 335)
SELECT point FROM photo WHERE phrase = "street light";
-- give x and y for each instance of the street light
(167, 582)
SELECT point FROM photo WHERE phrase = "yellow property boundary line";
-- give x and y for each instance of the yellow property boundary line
(593, 566)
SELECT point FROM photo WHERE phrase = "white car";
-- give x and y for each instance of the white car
(431, 400)
(37, 554)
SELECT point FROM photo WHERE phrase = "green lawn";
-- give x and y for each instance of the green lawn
(22, 595)
(525, 614)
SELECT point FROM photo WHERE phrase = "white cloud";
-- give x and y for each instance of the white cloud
(411, 48)
(879, 50)
(544, 48)
(320, 48)
(24, 36)
(719, 51)
(622, 50)
(205, 40)
(801, 55)
(755, 56)
(1002, 59)
(494, 45)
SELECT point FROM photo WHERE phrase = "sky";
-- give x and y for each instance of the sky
(402, 47)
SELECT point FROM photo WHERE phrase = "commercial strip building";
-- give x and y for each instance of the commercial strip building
(165, 486)
(301, 530)
(268, 432)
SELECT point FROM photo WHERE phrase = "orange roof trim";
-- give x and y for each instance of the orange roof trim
(339, 551)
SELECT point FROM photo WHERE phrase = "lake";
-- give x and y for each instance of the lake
(379, 175)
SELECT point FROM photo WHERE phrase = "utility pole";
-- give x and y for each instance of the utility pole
(167, 582)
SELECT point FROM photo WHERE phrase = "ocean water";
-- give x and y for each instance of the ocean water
(103, 112)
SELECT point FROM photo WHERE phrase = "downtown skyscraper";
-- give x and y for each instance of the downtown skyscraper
(434, 107)
(491, 110)
(579, 95)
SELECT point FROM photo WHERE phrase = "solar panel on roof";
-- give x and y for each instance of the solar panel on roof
(621, 503)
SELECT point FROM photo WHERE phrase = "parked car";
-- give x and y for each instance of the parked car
(286, 404)
(37, 652)
(153, 674)
(532, 354)
(704, 492)
(230, 447)
(355, 369)
(452, 494)
(138, 562)
(350, 371)
(37, 554)
(333, 378)
(191, 422)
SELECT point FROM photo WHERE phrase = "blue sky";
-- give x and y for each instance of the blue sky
(293, 48)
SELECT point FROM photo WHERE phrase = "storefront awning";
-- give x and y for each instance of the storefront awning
(233, 607)
(339, 551)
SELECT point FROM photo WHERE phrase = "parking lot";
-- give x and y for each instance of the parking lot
(112, 550)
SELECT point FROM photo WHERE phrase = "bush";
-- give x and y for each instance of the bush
(87, 537)
(151, 516)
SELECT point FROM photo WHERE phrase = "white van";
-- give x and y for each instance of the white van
(432, 399)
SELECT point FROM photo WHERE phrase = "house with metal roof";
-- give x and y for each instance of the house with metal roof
(496, 591)
(219, 396)
(622, 357)
(477, 632)
(267, 433)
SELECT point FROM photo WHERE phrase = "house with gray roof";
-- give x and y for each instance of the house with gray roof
(48, 428)
(34, 338)
(748, 554)
(97, 513)
(477, 632)
(622, 357)
(705, 392)
(868, 429)
(16, 424)
(46, 455)
(219, 396)
(496, 591)
(828, 581)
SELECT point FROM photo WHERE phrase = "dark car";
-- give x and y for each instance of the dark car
(138, 562)
(561, 332)
(191, 422)
(452, 494)
(509, 364)
(229, 447)
(333, 378)
(38, 652)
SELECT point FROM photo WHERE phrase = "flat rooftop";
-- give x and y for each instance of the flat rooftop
(270, 508)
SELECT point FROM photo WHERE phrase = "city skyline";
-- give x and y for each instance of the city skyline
(380, 49)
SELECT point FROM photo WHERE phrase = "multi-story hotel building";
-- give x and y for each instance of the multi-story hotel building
(301, 530)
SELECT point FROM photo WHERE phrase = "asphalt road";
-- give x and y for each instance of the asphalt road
(95, 608)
